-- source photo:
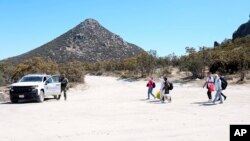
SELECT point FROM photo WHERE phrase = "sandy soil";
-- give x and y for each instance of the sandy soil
(115, 110)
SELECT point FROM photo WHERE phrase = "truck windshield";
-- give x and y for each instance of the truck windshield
(31, 79)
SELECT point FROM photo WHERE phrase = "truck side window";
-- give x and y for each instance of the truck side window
(50, 80)
(55, 79)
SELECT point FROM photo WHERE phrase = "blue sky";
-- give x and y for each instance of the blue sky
(166, 26)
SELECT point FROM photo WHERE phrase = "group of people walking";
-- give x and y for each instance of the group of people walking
(166, 86)
(213, 83)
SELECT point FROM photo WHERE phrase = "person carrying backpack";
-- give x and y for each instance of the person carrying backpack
(218, 89)
(151, 86)
(210, 86)
(167, 87)
(223, 86)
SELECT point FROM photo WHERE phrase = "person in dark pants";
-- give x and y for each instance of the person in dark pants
(166, 88)
(209, 81)
(64, 83)
(224, 96)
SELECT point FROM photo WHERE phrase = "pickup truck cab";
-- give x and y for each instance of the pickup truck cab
(35, 87)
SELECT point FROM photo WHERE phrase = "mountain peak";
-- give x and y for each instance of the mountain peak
(89, 41)
(89, 23)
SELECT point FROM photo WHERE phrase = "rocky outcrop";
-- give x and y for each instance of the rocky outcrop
(88, 41)
(242, 31)
(216, 44)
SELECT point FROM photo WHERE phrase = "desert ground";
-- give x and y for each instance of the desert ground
(107, 108)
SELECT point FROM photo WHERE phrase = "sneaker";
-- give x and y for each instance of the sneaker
(210, 100)
(221, 103)
(225, 97)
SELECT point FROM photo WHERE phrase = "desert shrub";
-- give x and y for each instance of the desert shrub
(99, 73)
(124, 76)
(34, 65)
(74, 71)
(166, 71)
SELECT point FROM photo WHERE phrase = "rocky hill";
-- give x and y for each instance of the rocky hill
(89, 41)
(242, 31)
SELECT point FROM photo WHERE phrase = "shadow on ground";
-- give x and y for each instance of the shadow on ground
(25, 101)
(205, 103)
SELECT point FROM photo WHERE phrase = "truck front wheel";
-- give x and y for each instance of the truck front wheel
(41, 97)
(55, 96)
(13, 100)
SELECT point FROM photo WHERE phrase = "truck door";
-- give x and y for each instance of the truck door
(57, 84)
(49, 86)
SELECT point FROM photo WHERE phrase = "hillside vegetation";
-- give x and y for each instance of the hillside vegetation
(228, 58)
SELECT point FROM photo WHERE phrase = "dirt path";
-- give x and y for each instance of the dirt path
(111, 109)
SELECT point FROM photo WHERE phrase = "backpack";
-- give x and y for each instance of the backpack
(153, 84)
(171, 86)
(223, 83)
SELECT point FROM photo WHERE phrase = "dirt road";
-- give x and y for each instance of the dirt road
(114, 110)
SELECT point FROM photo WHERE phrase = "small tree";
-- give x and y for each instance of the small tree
(145, 63)
(192, 62)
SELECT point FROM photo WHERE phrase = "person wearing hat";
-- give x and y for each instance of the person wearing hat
(64, 83)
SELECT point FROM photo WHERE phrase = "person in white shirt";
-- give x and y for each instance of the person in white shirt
(218, 89)
(162, 88)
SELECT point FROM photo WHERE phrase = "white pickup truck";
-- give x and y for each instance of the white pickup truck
(35, 87)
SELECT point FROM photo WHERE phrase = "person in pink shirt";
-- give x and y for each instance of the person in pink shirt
(209, 84)
(151, 86)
